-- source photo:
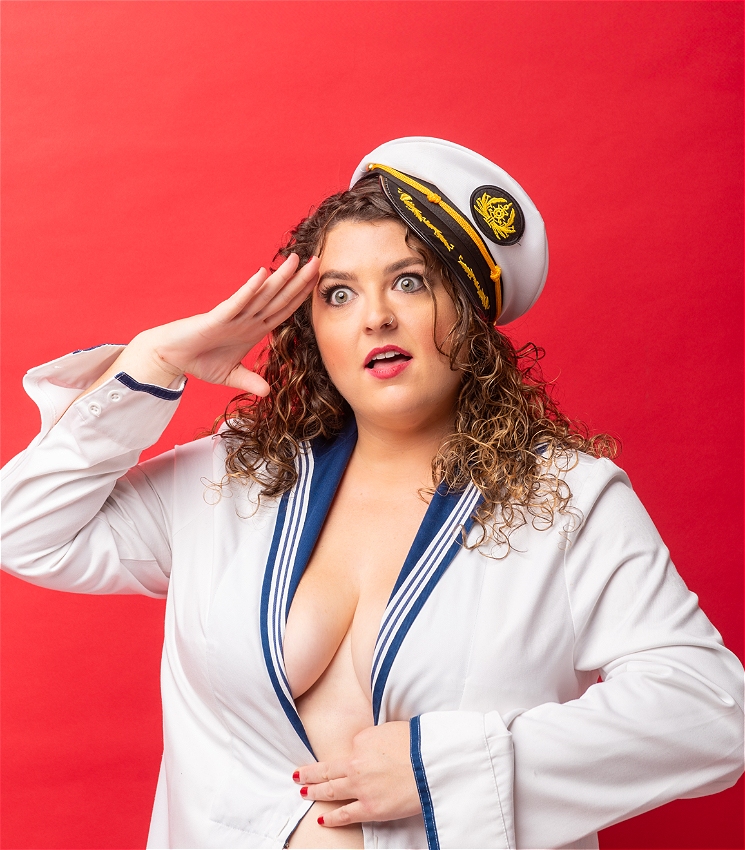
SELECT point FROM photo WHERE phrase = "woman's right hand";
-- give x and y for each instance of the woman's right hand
(211, 346)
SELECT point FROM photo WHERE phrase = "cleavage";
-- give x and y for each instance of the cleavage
(347, 583)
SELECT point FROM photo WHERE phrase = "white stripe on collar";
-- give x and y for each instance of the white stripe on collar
(297, 508)
(415, 589)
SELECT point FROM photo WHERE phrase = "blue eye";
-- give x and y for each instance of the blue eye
(409, 283)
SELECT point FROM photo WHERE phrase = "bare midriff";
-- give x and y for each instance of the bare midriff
(333, 625)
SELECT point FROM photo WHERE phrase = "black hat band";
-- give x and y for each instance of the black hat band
(440, 225)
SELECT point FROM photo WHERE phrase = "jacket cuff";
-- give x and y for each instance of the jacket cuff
(150, 389)
(54, 386)
(464, 769)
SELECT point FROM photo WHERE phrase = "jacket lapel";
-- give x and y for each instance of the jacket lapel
(436, 544)
(302, 512)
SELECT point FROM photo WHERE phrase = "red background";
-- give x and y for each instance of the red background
(155, 152)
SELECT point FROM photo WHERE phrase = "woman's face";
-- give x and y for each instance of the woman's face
(373, 320)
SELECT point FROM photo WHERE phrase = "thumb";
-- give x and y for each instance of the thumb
(246, 380)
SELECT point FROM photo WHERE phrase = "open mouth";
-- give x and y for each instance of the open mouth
(386, 359)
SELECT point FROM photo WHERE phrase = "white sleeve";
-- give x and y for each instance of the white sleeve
(77, 513)
(665, 722)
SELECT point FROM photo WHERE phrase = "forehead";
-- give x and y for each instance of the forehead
(351, 243)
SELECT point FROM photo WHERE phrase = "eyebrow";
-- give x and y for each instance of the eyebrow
(333, 274)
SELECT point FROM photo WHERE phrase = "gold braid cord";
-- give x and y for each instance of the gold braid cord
(495, 272)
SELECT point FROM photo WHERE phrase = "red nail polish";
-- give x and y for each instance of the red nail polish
(296, 776)
(304, 791)
(320, 821)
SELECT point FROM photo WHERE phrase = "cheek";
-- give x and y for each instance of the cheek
(447, 318)
(332, 344)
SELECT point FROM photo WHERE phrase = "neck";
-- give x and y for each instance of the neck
(400, 455)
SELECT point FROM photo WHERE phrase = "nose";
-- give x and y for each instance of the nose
(380, 317)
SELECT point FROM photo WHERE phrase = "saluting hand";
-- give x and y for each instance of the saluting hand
(377, 777)
(212, 345)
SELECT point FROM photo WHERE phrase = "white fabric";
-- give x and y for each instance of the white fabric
(469, 764)
(520, 746)
(457, 172)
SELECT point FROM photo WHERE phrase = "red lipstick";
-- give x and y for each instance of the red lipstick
(387, 361)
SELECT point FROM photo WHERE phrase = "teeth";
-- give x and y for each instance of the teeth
(385, 355)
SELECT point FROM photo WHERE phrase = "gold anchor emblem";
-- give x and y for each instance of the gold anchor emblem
(497, 213)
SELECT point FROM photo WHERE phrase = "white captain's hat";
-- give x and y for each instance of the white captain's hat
(477, 219)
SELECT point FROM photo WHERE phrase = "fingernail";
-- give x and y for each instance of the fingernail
(304, 791)
(320, 821)
(296, 776)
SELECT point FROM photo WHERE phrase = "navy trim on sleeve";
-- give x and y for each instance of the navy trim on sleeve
(158, 392)
(428, 809)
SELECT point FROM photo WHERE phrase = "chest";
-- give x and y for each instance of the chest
(446, 627)
(348, 581)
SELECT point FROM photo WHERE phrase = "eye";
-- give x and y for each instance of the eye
(337, 296)
(409, 283)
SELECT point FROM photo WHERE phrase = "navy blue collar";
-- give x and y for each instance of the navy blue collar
(302, 512)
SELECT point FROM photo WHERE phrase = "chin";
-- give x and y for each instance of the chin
(397, 413)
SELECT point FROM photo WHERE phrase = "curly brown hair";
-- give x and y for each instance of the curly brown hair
(507, 425)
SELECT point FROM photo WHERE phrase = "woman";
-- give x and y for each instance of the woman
(396, 574)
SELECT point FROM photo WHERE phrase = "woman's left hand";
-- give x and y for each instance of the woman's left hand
(377, 777)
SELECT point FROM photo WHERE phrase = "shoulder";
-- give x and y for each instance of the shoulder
(196, 475)
(587, 477)
(209, 455)
(607, 512)
(601, 499)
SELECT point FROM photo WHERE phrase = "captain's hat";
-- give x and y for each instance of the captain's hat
(477, 219)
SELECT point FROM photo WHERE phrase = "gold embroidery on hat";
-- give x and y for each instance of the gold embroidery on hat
(483, 297)
(495, 271)
(408, 201)
(498, 213)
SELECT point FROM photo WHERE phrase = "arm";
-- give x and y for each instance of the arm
(74, 518)
(665, 721)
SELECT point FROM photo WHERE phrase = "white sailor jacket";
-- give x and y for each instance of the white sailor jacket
(550, 693)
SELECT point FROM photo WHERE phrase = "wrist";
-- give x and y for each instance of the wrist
(142, 361)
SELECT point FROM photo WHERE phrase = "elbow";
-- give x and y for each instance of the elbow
(732, 764)
(18, 556)
(22, 563)
(726, 750)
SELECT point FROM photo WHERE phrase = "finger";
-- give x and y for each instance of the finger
(285, 270)
(233, 305)
(351, 813)
(286, 303)
(271, 321)
(321, 771)
(334, 789)
(275, 300)
(276, 282)
(264, 295)
(249, 382)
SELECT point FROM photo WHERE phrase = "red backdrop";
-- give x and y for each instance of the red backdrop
(155, 152)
